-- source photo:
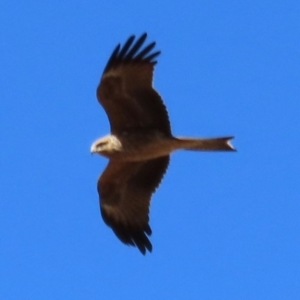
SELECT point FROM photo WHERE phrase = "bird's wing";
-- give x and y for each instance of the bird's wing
(125, 190)
(126, 91)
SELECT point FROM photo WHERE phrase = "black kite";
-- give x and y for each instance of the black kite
(140, 142)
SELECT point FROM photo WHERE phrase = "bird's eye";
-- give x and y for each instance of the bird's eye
(100, 145)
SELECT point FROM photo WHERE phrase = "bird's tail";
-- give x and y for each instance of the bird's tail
(206, 144)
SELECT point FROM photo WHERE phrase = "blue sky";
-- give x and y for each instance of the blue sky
(225, 225)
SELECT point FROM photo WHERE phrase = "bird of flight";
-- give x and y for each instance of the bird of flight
(140, 142)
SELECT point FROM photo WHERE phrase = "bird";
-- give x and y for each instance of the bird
(140, 141)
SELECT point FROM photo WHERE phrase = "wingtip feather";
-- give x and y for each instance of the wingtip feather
(132, 51)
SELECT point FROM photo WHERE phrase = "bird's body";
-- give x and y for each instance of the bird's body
(140, 142)
(153, 144)
(136, 146)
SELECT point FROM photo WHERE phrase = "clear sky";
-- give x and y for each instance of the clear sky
(225, 225)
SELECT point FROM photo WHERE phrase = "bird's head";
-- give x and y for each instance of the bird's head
(106, 146)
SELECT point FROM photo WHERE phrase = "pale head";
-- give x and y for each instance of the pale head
(106, 146)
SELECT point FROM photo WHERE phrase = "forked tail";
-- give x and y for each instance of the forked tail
(206, 144)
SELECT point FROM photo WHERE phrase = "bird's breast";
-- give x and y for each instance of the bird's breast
(144, 146)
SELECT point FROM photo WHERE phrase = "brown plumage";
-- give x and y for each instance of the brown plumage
(140, 142)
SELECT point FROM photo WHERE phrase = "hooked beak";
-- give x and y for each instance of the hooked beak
(94, 148)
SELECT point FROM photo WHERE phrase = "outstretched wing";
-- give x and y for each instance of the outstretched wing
(125, 190)
(126, 91)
